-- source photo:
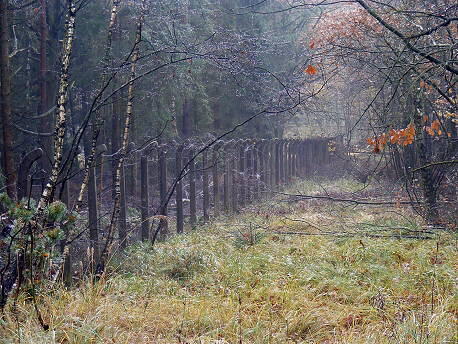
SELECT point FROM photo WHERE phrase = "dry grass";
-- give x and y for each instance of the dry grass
(218, 285)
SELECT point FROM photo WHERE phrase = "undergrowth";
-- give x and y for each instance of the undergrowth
(281, 272)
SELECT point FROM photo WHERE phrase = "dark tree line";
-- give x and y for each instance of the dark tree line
(202, 67)
(77, 74)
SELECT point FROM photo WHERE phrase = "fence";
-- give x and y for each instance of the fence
(184, 183)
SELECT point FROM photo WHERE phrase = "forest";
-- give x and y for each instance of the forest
(228, 171)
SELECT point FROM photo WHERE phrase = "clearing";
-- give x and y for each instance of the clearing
(283, 271)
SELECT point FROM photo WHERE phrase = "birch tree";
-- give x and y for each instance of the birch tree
(61, 109)
(125, 136)
(98, 120)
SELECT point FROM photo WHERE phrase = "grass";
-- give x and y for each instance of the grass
(240, 280)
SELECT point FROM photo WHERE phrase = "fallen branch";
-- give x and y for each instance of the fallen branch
(349, 200)
(305, 221)
(340, 235)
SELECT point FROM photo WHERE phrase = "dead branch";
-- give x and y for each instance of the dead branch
(348, 200)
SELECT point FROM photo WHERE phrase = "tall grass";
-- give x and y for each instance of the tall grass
(209, 287)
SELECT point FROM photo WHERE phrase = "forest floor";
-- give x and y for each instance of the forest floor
(281, 271)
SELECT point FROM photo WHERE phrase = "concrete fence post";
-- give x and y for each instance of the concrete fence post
(205, 186)
(162, 170)
(179, 188)
(192, 189)
(144, 181)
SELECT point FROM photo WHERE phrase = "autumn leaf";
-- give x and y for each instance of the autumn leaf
(430, 131)
(435, 125)
(312, 45)
(311, 70)
(411, 130)
(402, 137)
(425, 118)
(394, 136)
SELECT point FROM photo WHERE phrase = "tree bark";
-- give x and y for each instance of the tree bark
(179, 188)
(192, 189)
(186, 127)
(115, 139)
(46, 121)
(61, 111)
(125, 136)
(98, 120)
(144, 197)
(426, 174)
(162, 172)
(205, 186)
(6, 107)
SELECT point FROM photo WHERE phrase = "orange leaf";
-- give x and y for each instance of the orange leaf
(312, 45)
(435, 125)
(410, 130)
(310, 70)
(425, 118)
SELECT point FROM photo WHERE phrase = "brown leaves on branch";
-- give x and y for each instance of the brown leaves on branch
(347, 25)
(434, 128)
(402, 137)
(310, 70)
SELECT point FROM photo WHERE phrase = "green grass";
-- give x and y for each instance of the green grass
(239, 280)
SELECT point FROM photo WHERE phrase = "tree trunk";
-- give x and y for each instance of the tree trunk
(426, 174)
(115, 138)
(125, 136)
(61, 111)
(45, 122)
(6, 110)
(98, 120)
(186, 128)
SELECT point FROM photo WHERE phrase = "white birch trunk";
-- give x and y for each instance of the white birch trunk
(125, 136)
(61, 111)
(98, 120)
